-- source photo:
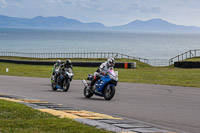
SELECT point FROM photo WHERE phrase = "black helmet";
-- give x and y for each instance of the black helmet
(68, 62)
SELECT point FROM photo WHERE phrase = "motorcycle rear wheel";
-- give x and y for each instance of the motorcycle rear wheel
(109, 92)
(87, 93)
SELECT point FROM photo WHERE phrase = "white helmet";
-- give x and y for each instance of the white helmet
(111, 62)
(59, 62)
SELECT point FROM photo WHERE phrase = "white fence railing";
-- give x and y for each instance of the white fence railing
(185, 55)
(153, 62)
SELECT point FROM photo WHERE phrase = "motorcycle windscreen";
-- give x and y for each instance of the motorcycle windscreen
(114, 73)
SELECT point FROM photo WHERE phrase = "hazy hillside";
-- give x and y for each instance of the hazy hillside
(153, 25)
(47, 22)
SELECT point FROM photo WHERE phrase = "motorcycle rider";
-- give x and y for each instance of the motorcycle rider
(103, 69)
(67, 64)
(56, 66)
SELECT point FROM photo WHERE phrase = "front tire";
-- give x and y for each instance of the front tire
(53, 85)
(66, 85)
(109, 92)
(87, 93)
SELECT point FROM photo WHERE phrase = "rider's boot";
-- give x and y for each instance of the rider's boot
(55, 78)
(91, 85)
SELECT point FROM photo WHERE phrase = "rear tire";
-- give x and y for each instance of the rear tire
(66, 85)
(109, 92)
(87, 93)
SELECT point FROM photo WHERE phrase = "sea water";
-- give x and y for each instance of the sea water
(143, 45)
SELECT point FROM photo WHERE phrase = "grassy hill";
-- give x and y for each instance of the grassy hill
(193, 59)
(139, 64)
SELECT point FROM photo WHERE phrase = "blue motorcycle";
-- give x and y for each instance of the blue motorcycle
(104, 87)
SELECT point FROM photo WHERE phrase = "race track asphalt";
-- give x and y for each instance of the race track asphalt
(169, 106)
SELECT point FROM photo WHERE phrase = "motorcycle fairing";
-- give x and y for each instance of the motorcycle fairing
(101, 83)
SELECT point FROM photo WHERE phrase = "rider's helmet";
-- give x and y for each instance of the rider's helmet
(58, 62)
(111, 62)
(68, 62)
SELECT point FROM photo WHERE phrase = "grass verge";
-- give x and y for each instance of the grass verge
(139, 64)
(193, 59)
(15, 117)
(150, 75)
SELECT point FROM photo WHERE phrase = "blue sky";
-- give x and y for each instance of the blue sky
(108, 12)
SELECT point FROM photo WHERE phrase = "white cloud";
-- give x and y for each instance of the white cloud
(3, 2)
(53, 1)
(108, 12)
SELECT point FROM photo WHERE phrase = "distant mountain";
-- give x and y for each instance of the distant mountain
(153, 25)
(47, 22)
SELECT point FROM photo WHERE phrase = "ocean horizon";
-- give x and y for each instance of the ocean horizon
(142, 45)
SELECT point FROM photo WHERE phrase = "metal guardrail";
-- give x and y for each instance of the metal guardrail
(185, 55)
(153, 62)
(158, 62)
(72, 55)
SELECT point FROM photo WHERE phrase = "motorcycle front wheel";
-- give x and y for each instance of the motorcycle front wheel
(66, 85)
(109, 92)
(87, 93)
(53, 85)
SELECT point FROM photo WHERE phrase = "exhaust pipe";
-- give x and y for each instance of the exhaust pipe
(84, 83)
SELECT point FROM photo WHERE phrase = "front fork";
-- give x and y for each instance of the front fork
(84, 83)
(87, 85)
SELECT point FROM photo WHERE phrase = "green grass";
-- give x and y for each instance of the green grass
(193, 59)
(163, 76)
(63, 59)
(150, 75)
(25, 70)
(139, 64)
(18, 118)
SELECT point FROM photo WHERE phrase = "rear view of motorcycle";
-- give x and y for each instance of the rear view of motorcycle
(104, 87)
(62, 80)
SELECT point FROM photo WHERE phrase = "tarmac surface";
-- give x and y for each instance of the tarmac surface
(172, 107)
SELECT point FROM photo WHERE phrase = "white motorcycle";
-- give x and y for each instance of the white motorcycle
(63, 79)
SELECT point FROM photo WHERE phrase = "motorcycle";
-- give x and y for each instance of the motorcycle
(104, 87)
(63, 79)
